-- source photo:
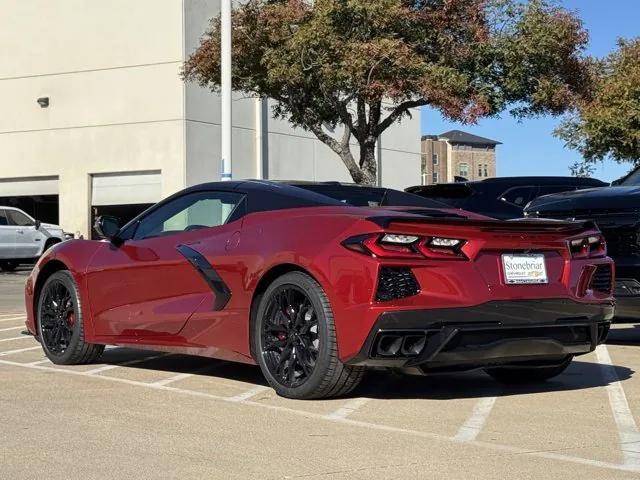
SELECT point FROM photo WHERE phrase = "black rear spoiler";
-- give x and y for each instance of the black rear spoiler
(517, 225)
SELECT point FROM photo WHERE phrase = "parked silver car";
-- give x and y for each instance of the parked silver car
(23, 239)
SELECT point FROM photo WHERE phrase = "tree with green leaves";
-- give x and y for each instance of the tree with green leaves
(363, 65)
(606, 124)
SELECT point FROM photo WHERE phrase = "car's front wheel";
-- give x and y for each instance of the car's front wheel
(61, 323)
(530, 373)
(294, 341)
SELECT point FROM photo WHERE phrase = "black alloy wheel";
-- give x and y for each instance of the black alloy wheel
(290, 337)
(293, 338)
(60, 323)
(57, 318)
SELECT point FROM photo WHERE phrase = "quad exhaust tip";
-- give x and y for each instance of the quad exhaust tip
(400, 345)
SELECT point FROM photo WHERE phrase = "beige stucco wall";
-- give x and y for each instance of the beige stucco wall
(110, 70)
(117, 104)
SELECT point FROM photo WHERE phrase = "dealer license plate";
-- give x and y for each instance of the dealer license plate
(524, 268)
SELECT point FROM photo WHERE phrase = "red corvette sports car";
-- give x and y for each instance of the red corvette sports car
(316, 282)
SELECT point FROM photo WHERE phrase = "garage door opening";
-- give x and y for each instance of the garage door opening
(41, 207)
(123, 195)
(37, 196)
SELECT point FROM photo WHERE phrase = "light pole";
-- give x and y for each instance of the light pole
(225, 88)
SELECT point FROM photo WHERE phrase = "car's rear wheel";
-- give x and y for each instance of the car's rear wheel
(295, 341)
(530, 373)
(61, 323)
(9, 265)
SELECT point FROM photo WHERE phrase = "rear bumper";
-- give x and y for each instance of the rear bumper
(493, 333)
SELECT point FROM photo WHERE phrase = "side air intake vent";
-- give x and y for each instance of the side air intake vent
(602, 279)
(395, 283)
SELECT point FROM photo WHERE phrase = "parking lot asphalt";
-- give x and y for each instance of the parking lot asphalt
(143, 414)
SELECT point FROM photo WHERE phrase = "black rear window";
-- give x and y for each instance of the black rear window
(371, 196)
(452, 194)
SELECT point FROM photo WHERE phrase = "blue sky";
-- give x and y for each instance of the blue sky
(529, 148)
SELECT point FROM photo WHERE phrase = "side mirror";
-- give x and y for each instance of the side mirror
(107, 227)
(37, 224)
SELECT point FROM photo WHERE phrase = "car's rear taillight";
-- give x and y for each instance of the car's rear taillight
(401, 246)
(592, 246)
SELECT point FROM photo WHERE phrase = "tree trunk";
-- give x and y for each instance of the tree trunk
(368, 162)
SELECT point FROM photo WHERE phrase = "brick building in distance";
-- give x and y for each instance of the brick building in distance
(457, 154)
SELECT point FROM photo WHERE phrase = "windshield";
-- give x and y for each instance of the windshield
(372, 196)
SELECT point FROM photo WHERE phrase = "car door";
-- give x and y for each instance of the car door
(152, 283)
(28, 240)
(7, 237)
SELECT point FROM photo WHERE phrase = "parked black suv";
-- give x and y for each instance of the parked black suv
(503, 197)
(616, 210)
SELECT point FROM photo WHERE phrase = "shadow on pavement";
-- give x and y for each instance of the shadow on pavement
(579, 376)
(381, 384)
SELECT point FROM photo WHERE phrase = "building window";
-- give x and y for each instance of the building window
(463, 170)
(480, 170)
(434, 177)
(486, 170)
(434, 159)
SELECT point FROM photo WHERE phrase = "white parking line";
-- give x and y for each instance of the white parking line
(372, 426)
(182, 376)
(348, 408)
(21, 327)
(40, 362)
(474, 424)
(12, 352)
(175, 378)
(23, 337)
(12, 319)
(248, 394)
(105, 368)
(627, 428)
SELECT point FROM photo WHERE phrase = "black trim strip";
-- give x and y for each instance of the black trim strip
(507, 226)
(209, 274)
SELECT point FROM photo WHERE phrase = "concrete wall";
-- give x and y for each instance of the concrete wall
(117, 104)
(111, 73)
(292, 153)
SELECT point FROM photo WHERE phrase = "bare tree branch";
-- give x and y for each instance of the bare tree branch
(397, 112)
(342, 148)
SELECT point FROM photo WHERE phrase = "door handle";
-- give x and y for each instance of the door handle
(19, 231)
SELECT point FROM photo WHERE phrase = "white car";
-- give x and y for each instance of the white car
(23, 239)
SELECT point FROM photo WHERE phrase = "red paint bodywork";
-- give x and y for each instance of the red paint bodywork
(145, 293)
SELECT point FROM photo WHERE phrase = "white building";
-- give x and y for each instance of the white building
(121, 129)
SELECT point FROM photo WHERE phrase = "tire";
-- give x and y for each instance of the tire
(284, 339)
(9, 265)
(60, 323)
(532, 373)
